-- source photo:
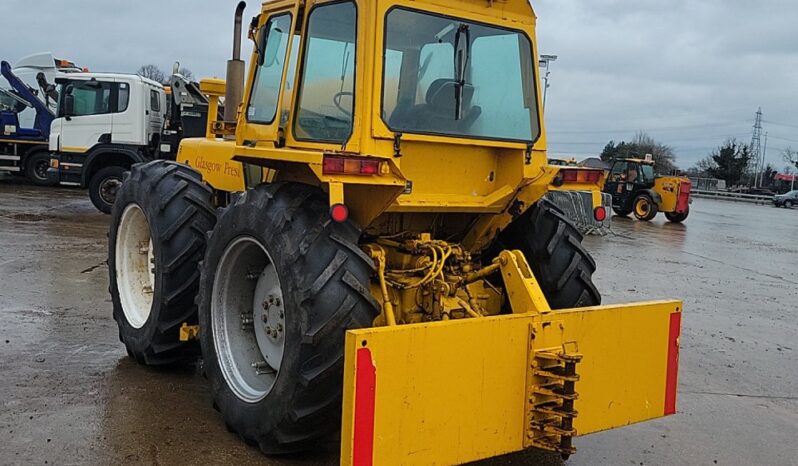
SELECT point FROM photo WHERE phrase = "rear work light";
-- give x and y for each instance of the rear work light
(336, 165)
(574, 175)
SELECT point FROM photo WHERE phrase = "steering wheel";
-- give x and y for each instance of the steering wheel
(337, 101)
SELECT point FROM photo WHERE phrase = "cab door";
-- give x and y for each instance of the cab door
(265, 99)
(85, 114)
(616, 182)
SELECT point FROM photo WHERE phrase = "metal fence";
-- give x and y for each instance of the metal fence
(578, 207)
(738, 197)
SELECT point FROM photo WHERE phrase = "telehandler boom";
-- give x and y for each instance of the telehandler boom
(365, 249)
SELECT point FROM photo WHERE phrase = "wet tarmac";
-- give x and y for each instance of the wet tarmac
(70, 395)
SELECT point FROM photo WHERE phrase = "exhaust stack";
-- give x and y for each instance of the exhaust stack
(234, 90)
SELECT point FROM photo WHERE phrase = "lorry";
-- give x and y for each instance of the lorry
(361, 247)
(106, 122)
(23, 146)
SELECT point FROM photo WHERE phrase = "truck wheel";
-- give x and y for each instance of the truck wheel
(103, 187)
(156, 241)
(677, 218)
(553, 247)
(644, 208)
(280, 285)
(36, 166)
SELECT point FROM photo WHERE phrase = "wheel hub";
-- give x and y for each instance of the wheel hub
(248, 319)
(109, 188)
(135, 266)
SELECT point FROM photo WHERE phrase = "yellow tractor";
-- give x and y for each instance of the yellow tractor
(361, 247)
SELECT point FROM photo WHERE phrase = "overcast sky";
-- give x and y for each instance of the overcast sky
(689, 72)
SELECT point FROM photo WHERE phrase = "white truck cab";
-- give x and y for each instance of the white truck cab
(105, 123)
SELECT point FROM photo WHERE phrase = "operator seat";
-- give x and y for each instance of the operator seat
(437, 113)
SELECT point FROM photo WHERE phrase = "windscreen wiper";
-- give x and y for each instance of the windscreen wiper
(461, 58)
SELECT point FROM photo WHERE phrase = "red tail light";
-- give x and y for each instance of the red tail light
(339, 213)
(600, 214)
(336, 165)
(575, 175)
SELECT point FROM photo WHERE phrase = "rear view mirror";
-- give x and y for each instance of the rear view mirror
(69, 105)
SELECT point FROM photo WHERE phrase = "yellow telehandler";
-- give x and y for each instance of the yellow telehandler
(362, 246)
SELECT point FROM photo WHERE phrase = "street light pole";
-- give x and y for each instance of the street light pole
(544, 62)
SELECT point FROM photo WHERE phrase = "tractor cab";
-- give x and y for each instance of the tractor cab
(636, 189)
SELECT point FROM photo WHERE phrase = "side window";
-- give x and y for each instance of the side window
(90, 97)
(393, 74)
(326, 91)
(266, 89)
(288, 89)
(155, 101)
(618, 169)
(123, 97)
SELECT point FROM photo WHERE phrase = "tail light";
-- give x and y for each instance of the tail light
(575, 175)
(600, 214)
(339, 213)
(336, 165)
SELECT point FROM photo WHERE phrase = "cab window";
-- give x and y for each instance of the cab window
(90, 97)
(123, 97)
(326, 92)
(273, 40)
(618, 170)
(155, 101)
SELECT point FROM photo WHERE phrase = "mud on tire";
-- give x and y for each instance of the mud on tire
(553, 247)
(168, 204)
(323, 279)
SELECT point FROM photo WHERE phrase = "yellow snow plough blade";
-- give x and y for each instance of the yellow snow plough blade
(462, 390)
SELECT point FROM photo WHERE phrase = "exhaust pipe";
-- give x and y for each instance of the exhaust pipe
(234, 89)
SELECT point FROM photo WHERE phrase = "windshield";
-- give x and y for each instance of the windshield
(453, 77)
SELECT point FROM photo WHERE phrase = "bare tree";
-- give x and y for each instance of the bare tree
(152, 72)
(790, 156)
(640, 145)
(186, 73)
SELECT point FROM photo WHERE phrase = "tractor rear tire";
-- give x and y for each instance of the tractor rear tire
(677, 218)
(104, 187)
(553, 247)
(644, 208)
(281, 283)
(36, 165)
(156, 241)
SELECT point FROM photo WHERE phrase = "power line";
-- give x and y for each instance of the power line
(648, 129)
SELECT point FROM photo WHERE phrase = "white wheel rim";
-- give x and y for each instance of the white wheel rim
(135, 266)
(248, 319)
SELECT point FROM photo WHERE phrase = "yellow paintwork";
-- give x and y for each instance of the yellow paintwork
(454, 391)
(668, 188)
(14, 141)
(75, 149)
(482, 177)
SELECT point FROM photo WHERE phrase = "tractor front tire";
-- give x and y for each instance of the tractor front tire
(281, 283)
(553, 247)
(156, 241)
(644, 207)
(677, 218)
